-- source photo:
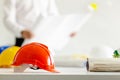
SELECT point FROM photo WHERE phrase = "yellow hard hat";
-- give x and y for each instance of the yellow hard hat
(94, 6)
(7, 56)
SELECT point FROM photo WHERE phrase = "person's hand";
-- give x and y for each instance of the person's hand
(72, 34)
(27, 34)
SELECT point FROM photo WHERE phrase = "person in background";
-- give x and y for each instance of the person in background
(21, 15)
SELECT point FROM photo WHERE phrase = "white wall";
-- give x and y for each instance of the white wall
(102, 28)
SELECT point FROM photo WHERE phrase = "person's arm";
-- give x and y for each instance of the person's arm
(10, 18)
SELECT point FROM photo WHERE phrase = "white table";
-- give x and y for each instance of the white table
(66, 73)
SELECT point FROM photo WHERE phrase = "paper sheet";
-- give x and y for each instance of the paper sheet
(54, 31)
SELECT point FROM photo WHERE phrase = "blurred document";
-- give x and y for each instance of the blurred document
(54, 31)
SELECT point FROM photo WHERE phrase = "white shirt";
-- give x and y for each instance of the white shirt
(23, 14)
(52, 31)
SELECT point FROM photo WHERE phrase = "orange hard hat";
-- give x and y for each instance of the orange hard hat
(36, 54)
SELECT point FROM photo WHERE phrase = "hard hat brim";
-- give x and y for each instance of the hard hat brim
(53, 70)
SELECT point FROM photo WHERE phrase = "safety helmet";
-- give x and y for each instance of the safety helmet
(7, 56)
(2, 48)
(36, 54)
(101, 51)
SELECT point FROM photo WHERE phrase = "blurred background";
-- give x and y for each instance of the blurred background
(103, 28)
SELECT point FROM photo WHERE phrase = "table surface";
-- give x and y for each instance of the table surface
(66, 73)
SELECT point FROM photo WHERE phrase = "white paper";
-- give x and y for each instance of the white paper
(54, 31)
